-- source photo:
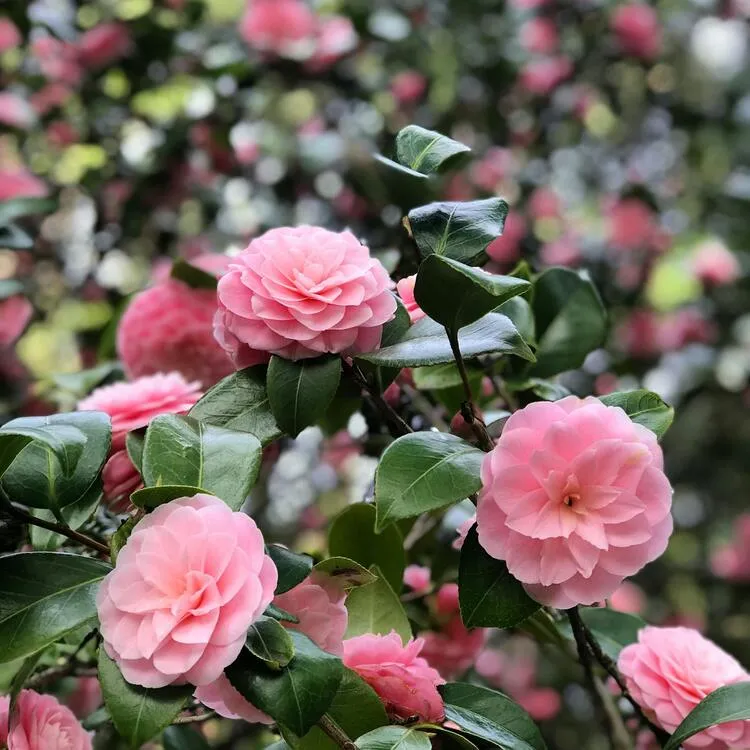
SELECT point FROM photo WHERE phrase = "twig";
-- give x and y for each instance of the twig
(53, 674)
(335, 732)
(194, 718)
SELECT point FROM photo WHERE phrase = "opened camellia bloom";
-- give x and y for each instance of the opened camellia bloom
(405, 682)
(574, 499)
(191, 579)
(299, 293)
(405, 289)
(669, 671)
(42, 724)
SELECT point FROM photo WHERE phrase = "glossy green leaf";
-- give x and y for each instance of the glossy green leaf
(728, 703)
(279, 614)
(458, 230)
(449, 737)
(138, 713)
(293, 567)
(119, 539)
(352, 534)
(74, 515)
(240, 402)
(376, 608)
(614, 630)
(394, 738)
(439, 377)
(344, 572)
(39, 480)
(181, 450)
(427, 151)
(570, 320)
(300, 392)
(424, 471)
(489, 596)
(456, 295)
(521, 315)
(491, 716)
(644, 407)
(134, 447)
(44, 596)
(194, 277)
(269, 641)
(400, 169)
(83, 382)
(426, 343)
(149, 498)
(184, 737)
(298, 695)
(395, 329)
(19, 680)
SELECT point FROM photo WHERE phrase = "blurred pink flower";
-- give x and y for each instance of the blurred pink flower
(283, 27)
(17, 182)
(417, 578)
(628, 598)
(15, 314)
(120, 479)
(732, 560)
(631, 225)
(462, 531)
(670, 670)
(405, 682)
(496, 165)
(42, 724)
(405, 289)
(104, 44)
(637, 29)
(16, 111)
(714, 263)
(539, 36)
(408, 86)
(453, 649)
(446, 600)
(10, 36)
(335, 38)
(57, 60)
(564, 251)
(506, 248)
(542, 76)
(544, 203)
(86, 697)
(299, 293)
(190, 580)
(596, 503)
(50, 96)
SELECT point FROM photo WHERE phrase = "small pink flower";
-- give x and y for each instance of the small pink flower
(405, 289)
(542, 76)
(539, 36)
(732, 560)
(191, 579)
(16, 111)
(670, 670)
(301, 292)
(335, 38)
(120, 479)
(318, 604)
(714, 263)
(631, 225)
(462, 532)
(496, 165)
(418, 578)
(169, 327)
(104, 44)
(638, 31)
(133, 405)
(405, 682)
(544, 203)
(283, 27)
(15, 314)
(506, 249)
(221, 696)
(58, 60)
(564, 251)
(408, 86)
(453, 649)
(10, 36)
(446, 600)
(41, 724)
(85, 698)
(628, 598)
(574, 499)
(17, 182)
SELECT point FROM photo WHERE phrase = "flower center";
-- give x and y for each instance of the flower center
(570, 499)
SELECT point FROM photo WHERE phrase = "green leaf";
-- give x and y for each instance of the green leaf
(182, 737)
(456, 295)
(120, 537)
(426, 343)
(356, 708)
(522, 316)
(395, 329)
(300, 392)
(293, 567)
(44, 596)
(149, 498)
(182, 450)
(644, 407)
(14, 209)
(194, 277)
(279, 614)
(491, 716)
(450, 737)
(614, 630)
(352, 534)
(38, 479)
(19, 680)
(344, 572)
(545, 389)
(376, 608)
(439, 377)
(269, 641)
(394, 738)
(399, 168)
(426, 151)
(488, 594)
(570, 320)
(458, 230)
(728, 703)
(298, 695)
(424, 471)
(138, 713)
(83, 382)
(240, 402)
(74, 515)
(134, 447)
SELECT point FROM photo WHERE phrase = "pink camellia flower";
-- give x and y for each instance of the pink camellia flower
(670, 670)
(17, 182)
(542, 76)
(16, 111)
(405, 289)
(539, 36)
(41, 724)
(301, 292)
(405, 682)
(15, 314)
(169, 327)
(496, 165)
(283, 27)
(408, 86)
(732, 560)
(446, 600)
(637, 28)
(453, 649)
(631, 225)
(628, 598)
(318, 604)
(222, 697)
(506, 248)
(190, 580)
(336, 37)
(10, 36)
(714, 263)
(120, 479)
(574, 499)
(104, 44)
(418, 578)
(86, 697)
(462, 531)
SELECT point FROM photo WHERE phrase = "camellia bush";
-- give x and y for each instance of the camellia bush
(183, 610)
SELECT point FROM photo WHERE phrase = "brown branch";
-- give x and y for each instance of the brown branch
(194, 718)
(335, 732)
